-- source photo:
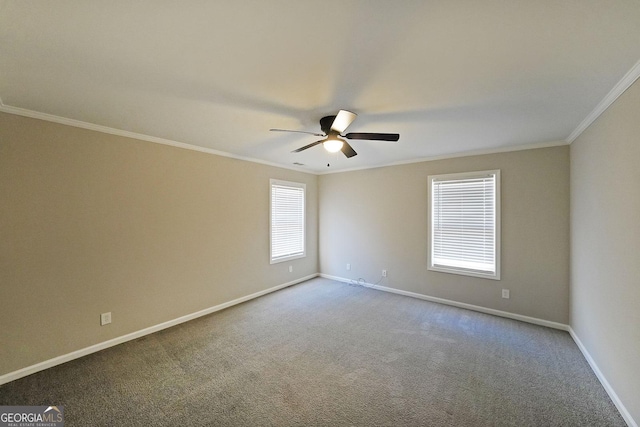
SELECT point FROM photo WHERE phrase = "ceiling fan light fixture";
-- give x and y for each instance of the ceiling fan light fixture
(333, 145)
(333, 128)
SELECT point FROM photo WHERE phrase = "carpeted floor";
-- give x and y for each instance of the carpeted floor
(331, 354)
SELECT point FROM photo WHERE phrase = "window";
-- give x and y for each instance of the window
(465, 224)
(287, 220)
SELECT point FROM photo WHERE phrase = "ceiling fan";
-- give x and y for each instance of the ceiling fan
(333, 127)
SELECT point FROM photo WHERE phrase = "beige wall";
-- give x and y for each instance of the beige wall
(605, 245)
(377, 219)
(91, 223)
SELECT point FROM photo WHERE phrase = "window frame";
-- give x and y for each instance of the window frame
(297, 255)
(497, 228)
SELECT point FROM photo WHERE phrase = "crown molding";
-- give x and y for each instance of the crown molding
(139, 136)
(632, 75)
(627, 80)
(533, 146)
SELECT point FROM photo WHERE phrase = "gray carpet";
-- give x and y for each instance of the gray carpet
(332, 354)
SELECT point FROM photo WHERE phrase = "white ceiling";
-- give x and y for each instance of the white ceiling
(449, 76)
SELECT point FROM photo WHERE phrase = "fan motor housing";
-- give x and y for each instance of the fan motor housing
(325, 124)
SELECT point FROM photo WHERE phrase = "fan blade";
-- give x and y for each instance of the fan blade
(343, 120)
(297, 131)
(348, 150)
(374, 136)
(313, 144)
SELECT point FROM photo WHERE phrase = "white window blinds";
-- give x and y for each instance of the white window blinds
(464, 223)
(287, 220)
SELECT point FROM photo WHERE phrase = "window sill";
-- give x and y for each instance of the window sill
(464, 272)
(287, 258)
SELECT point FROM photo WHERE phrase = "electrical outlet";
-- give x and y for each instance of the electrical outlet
(348, 267)
(384, 273)
(505, 293)
(105, 318)
(291, 269)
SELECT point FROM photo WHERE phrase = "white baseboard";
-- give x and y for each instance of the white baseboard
(12, 376)
(500, 313)
(612, 394)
